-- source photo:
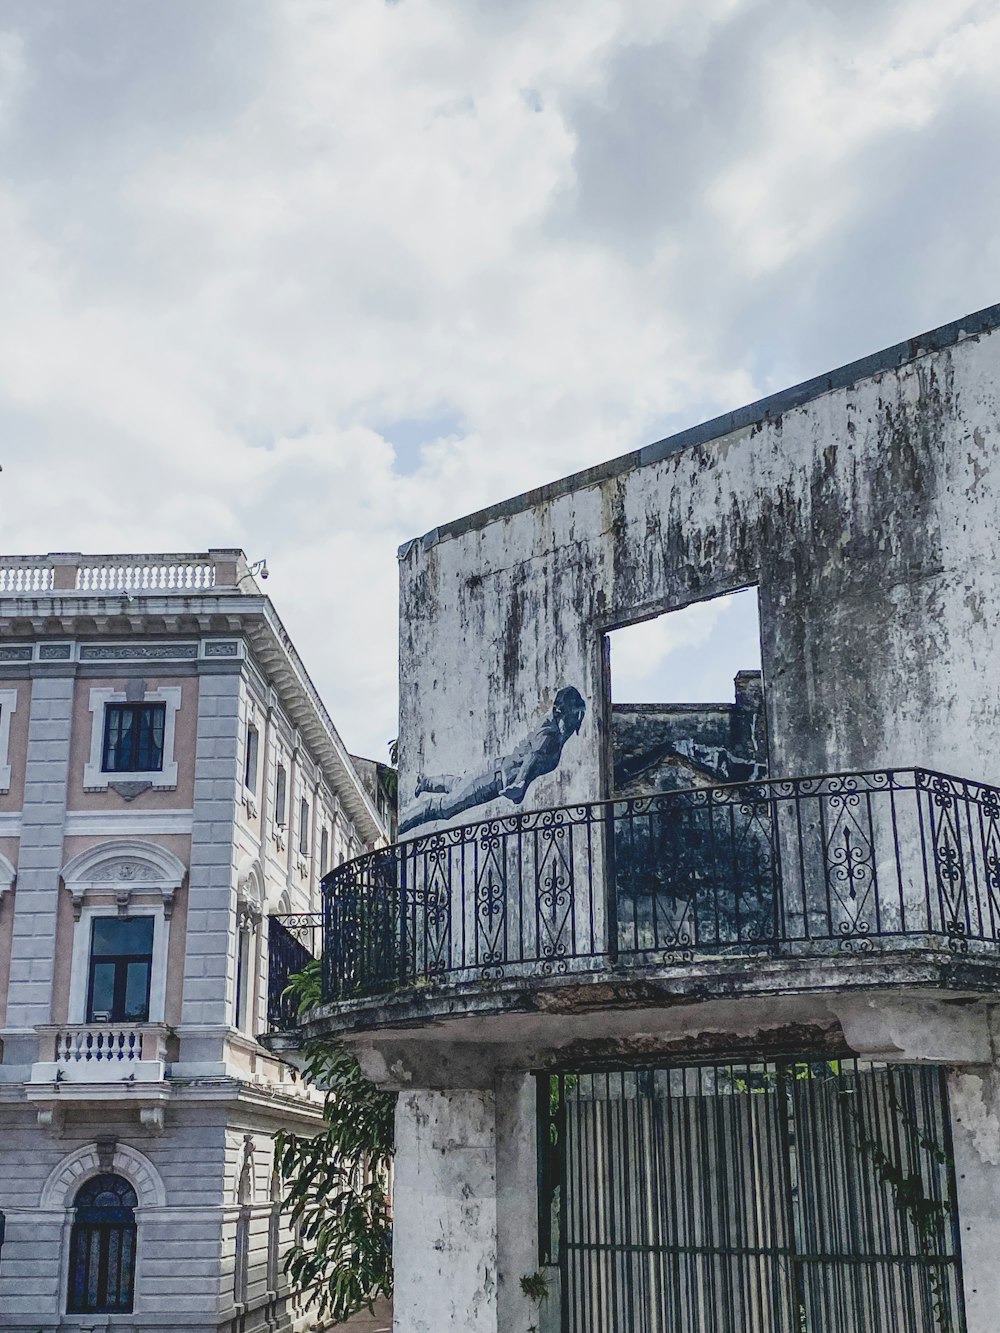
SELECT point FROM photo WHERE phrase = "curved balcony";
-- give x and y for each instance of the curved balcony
(900, 866)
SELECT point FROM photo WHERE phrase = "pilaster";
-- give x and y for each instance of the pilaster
(210, 951)
(40, 856)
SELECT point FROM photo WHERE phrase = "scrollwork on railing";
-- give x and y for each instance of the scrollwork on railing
(293, 941)
(797, 867)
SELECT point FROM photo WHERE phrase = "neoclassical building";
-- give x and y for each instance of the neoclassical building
(169, 780)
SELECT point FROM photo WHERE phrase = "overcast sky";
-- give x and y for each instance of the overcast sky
(312, 276)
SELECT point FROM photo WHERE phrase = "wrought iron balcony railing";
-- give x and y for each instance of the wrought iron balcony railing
(904, 859)
(293, 940)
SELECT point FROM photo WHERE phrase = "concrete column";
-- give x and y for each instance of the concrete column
(445, 1212)
(975, 1118)
(517, 1205)
(210, 949)
(40, 859)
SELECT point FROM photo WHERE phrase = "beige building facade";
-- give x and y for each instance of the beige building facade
(169, 779)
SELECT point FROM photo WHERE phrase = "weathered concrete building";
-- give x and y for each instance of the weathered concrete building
(722, 1058)
(169, 780)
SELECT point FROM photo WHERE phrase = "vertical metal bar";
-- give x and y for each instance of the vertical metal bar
(611, 886)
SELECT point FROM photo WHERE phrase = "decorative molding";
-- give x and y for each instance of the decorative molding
(10, 823)
(8, 876)
(152, 1118)
(124, 867)
(8, 707)
(128, 791)
(124, 823)
(66, 1178)
(51, 1118)
(250, 888)
(16, 652)
(55, 652)
(104, 652)
(221, 648)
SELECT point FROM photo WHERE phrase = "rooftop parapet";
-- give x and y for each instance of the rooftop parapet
(182, 572)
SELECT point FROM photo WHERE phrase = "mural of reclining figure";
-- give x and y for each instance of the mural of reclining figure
(510, 775)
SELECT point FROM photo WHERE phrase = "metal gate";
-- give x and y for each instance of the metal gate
(762, 1198)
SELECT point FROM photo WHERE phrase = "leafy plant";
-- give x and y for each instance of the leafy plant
(337, 1182)
(535, 1286)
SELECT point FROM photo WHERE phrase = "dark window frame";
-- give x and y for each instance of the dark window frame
(105, 1235)
(303, 827)
(251, 761)
(121, 963)
(123, 750)
(280, 795)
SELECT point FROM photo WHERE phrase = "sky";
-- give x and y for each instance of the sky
(311, 277)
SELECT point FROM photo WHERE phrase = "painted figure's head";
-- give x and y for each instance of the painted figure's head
(568, 710)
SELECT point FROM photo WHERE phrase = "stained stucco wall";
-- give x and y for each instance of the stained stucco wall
(867, 516)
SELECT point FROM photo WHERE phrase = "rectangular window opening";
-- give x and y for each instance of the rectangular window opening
(687, 698)
(280, 792)
(304, 827)
(133, 738)
(121, 960)
(250, 763)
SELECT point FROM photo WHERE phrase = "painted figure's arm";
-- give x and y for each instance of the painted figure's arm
(542, 757)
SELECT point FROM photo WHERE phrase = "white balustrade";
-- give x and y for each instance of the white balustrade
(127, 1054)
(26, 578)
(101, 1042)
(182, 572)
(145, 575)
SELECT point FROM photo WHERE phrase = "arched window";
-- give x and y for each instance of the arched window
(244, 1196)
(274, 1233)
(102, 1248)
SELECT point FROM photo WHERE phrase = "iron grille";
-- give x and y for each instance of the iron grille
(852, 862)
(292, 942)
(758, 1198)
(102, 1247)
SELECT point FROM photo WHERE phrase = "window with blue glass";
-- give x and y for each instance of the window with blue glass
(121, 961)
(133, 738)
(102, 1247)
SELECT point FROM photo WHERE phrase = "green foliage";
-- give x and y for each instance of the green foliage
(307, 986)
(535, 1286)
(337, 1182)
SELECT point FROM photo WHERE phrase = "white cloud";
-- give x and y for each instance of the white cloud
(235, 239)
(639, 652)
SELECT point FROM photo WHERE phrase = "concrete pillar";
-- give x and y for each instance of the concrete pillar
(975, 1117)
(517, 1205)
(210, 954)
(39, 861)
(445, 1212)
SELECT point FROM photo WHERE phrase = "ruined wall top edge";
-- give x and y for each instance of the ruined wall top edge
(741, 418)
